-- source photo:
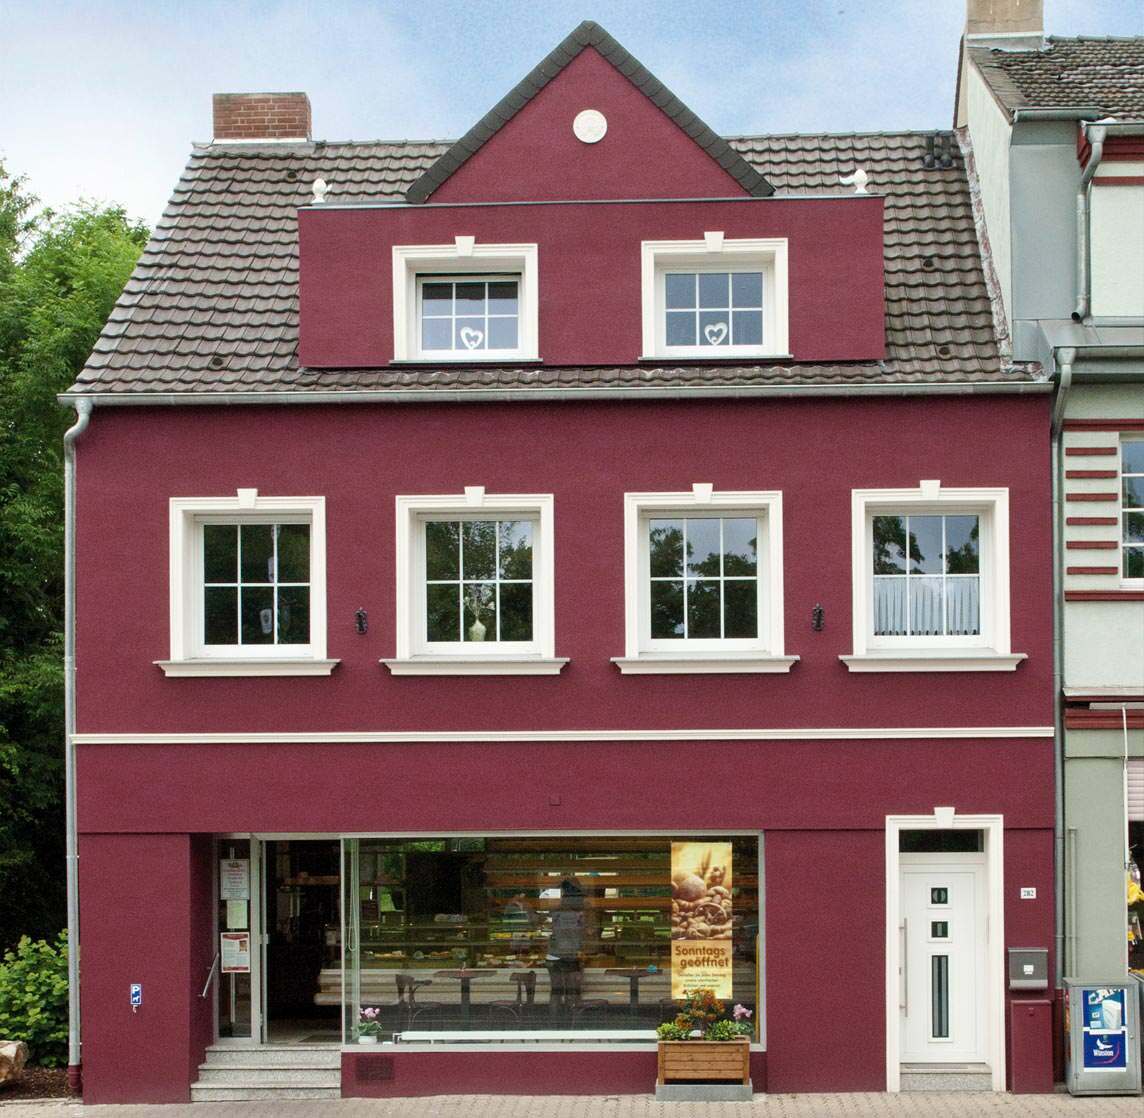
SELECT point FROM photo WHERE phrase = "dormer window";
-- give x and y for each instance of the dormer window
(465, 302)
(478, 314)
(713, 309)
(715, 298)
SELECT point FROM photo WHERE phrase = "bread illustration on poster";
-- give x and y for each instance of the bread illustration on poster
(701, 918)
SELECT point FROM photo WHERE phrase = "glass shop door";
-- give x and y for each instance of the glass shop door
(236, 972)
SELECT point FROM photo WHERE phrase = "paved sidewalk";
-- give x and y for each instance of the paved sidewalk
(623, 1106)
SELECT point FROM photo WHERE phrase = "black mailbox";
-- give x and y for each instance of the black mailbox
(1028, 968)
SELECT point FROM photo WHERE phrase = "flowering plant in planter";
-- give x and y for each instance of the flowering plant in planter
(369, 1028)
(701, 1017)
(685, 1058)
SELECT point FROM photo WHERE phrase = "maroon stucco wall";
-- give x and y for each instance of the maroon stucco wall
(499, 786)
(146, 895)
(644, 154)
(410, 1074)
(138, 922)
(587, 455)
(589, 271)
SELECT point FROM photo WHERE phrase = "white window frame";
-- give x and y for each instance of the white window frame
(645, 656)
(189, 654)
(462, 258)
(418, 656)
(716, 254)
(987, 651)
(1121, 543)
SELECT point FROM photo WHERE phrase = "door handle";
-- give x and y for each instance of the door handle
(904, 1002)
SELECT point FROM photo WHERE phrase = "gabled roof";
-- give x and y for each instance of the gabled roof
(1068, 73)
(212, 306)
(588, 34)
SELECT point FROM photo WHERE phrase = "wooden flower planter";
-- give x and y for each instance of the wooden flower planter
(704, 1061)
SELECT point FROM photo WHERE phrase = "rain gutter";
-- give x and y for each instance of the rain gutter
(83, 409)
(547, 395)
(1064, 360)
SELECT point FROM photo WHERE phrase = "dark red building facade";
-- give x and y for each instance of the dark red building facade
(484, 549)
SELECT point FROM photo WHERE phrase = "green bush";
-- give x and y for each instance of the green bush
(669, 1030)
(34, 999)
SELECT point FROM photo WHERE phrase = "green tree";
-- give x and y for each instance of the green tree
(60, 275)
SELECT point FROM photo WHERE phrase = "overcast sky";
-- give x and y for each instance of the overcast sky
(101, 99)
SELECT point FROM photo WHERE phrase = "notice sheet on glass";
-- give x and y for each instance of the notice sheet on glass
(234, 952)
(701, 950)
(234, 879)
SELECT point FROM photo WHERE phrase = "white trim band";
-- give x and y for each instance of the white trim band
(800, 733)
(476, 665)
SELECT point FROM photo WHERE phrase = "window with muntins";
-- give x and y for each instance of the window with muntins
(703, 575)
(465, 302)
(926, 575)
(713, 308)
(930, 579)
(256, 584)
(247, 580)
(1132, 509)
(478, 581)
(470, 314)
(475, 585)
(713, 298)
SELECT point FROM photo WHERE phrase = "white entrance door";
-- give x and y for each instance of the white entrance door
(943, 976)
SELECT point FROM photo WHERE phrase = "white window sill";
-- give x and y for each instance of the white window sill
(243, 667)
(477, 665)
(448, 357)
(697, 663)
(716, 354)
(935, 660)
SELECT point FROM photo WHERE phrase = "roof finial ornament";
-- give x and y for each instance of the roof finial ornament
(320, 188)
(858, 180)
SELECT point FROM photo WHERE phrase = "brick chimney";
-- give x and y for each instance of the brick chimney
(261, 116)
(1005, 24)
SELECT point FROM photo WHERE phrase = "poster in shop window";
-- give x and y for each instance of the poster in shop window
(234, 951)
(700, 918)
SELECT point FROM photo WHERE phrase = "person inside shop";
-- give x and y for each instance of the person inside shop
(565, 943)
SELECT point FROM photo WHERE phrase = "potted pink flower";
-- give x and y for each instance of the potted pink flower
(369, 1028)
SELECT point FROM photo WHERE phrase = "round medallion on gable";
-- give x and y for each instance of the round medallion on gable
(590, 125)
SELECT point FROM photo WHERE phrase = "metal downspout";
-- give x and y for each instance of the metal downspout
(1065, 359)
(83, 417)
(1095, 134)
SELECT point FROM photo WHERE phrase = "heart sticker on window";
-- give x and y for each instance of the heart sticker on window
(716, 333)
(471, 338)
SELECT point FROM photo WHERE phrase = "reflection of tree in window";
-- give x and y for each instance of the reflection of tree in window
(704, 578)
(926, 575)
(478, 576)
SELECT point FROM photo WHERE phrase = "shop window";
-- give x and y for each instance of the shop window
(704, 582)
(574, 934)
(931, 580)
(475, 585)
(247, 584)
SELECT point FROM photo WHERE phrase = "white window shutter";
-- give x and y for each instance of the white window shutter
(1136, 791)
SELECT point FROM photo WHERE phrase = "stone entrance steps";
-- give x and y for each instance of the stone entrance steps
(946, 1077)
(246, 1073)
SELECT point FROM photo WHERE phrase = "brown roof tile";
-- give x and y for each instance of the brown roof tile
(212, 305)
(1069, 73)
